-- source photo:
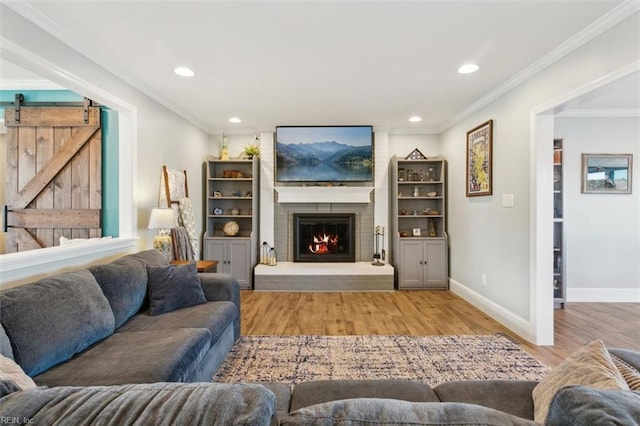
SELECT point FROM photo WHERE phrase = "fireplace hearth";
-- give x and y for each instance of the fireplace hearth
(324, 237)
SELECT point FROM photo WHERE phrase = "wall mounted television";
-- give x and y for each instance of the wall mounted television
(324, 153)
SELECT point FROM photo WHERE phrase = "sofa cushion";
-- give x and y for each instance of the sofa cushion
(394, 412)
(9, 370)
(590, 366)
(214, 316)
(319, 391)
(144, 404)
(137, 357)
(172, 287)
(509, 396)
(124, 282)
(52, 319)
(579, 405)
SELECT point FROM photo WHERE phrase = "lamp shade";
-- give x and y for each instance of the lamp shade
(161, 219)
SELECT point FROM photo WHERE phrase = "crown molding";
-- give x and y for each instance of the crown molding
(595, 113)
(599, 26)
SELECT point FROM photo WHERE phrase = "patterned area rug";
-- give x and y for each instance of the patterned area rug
(430, 359)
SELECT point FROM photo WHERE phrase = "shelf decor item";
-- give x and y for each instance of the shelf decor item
(231, 229)
(606, 173)
(480, 160)
(224, 152)
(432, 229)
(415, 155)
(251, 150)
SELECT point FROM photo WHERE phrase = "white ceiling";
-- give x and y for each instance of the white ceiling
(322, 62)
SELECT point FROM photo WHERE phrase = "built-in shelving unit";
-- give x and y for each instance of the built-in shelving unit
(559, 281)
(418, 213)
(232, 196)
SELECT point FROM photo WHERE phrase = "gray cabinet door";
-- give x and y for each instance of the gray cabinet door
(239, 256)
(411, 262)
(435, 274)
(216, 250)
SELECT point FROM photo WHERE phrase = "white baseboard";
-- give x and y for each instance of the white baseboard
(604, 295)
(513, 322)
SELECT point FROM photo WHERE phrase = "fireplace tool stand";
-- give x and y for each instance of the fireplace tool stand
(379, 253)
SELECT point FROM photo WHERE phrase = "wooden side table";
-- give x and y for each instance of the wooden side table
(201, 265)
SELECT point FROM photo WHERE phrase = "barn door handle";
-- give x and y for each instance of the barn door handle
(5, 216)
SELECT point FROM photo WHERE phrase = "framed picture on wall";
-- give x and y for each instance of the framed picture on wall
(480, 160)
(606, 173)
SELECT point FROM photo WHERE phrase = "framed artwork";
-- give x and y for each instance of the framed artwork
(479, 160)
(606, 173)
(416, 232)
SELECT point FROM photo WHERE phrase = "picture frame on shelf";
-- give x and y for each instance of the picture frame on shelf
(416, 232)
(480, 160)
(607, 173)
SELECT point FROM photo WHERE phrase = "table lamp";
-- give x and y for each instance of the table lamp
(162, 220)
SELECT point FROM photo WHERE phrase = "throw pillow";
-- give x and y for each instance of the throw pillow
(172, 287)
(630, 374)
(10, 370)
(590, 366)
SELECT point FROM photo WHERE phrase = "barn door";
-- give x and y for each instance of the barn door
(54, 188)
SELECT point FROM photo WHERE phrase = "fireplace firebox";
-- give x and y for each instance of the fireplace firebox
(324, 237)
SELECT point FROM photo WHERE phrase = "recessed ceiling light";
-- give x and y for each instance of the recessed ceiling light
(184, 72)
(415, 119)
(468, 68)
(234, 120)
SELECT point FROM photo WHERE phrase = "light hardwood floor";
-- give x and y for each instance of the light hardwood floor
(421, 313)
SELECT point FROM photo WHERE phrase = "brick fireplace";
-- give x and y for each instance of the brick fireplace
(357, 275)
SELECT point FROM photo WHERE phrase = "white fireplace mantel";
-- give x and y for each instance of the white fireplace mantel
(324, 194)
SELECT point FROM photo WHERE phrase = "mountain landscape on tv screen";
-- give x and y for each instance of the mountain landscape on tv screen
(323, 161)
(322, 152)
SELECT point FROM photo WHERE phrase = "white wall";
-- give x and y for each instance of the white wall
(602, 231)
(402, 144)
(156, 136)
(484, 236)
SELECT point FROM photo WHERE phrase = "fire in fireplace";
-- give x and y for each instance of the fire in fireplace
(324, 237)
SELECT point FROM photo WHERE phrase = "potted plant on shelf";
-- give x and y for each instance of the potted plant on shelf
(251, 150)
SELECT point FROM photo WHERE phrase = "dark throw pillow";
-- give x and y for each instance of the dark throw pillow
(172, 287)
